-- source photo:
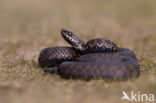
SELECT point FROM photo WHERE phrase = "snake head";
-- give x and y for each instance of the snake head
(73, 40)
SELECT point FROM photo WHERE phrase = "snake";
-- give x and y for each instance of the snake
(98, 58)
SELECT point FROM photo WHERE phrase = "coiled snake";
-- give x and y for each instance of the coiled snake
(95, 59)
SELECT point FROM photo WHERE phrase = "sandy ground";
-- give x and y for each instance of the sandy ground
(28, 26)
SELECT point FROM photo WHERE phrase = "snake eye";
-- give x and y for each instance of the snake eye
(70, 33)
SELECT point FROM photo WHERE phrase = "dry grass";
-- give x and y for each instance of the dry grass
(28, 26)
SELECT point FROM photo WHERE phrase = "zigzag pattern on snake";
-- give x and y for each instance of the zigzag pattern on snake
(95, 59)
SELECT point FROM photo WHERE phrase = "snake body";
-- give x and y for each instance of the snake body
(96, 59)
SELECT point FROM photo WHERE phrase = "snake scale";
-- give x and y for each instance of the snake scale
(96, 59)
